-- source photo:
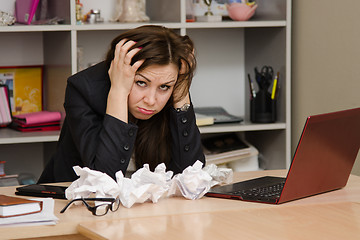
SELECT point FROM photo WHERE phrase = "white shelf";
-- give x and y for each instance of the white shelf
(241, 127)
(35, 28)
(9, 136)
(234, 24)
(124, 26)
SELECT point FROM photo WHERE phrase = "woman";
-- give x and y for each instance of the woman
(134, 104)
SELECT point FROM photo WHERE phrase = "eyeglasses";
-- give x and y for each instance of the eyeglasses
(98, 209)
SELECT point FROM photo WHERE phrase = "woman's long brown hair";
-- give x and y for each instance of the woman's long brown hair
(160, 46)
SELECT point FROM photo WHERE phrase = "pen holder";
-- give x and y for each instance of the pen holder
(262, 108)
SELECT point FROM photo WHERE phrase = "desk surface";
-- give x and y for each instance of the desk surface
(331, 215)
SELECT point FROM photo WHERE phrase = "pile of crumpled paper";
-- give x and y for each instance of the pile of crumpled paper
(145, 185)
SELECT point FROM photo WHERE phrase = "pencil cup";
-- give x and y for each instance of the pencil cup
(263, 108)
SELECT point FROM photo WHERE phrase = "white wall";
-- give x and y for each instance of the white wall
(325, 60)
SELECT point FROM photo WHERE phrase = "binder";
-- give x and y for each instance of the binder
(25, 10)
(5, 112)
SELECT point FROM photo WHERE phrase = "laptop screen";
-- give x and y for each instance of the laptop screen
(325, 154)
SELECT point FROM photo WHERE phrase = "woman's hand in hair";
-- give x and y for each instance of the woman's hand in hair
(121, 72)
(122, 75)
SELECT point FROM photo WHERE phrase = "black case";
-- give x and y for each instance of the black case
(39, 190)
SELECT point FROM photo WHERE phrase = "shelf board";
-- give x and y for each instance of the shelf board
(120, 26)
(241, 127)
(125, 26)
(9, 136)
(36, 28)
(236, 24)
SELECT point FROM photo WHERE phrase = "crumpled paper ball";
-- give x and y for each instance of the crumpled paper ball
(192, 183)
(143, 185)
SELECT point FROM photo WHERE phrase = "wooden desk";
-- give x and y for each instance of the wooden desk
(325, 216)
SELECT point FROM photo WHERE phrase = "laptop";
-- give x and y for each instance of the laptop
(322, 162)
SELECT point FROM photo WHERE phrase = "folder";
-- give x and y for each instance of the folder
(38, 117)
(25, 10)
(52, 126)
(37, 121)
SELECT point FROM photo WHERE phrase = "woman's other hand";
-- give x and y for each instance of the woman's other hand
(181, 94)
(181, 98)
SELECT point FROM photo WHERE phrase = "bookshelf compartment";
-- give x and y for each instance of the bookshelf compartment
(227, 51)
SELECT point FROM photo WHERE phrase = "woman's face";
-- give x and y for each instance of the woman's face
(152, 89)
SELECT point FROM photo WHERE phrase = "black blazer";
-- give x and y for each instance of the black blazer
(91, 138)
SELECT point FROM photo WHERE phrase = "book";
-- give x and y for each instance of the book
(37, 121)
(2, 168)
(9, 180)
(25, 84)
(219, 114)
(223, 148)
(203, 120)
(5, 111)
(224, 143)
(37, 117)
(15, 206)
(51, 126)
(44, 217)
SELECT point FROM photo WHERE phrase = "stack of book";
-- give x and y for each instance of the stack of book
(15, 206)
(15, 211)
(222, 149)
(37, 121)
(5, 112)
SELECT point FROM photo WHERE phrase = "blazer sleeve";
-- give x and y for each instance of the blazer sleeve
(104, 143)
(186, 140)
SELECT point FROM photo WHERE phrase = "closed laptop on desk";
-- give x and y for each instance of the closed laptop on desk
(322, 162)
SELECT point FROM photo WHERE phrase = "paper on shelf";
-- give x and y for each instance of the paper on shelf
(145, 185)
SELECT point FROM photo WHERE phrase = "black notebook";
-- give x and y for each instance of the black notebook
(40, 190)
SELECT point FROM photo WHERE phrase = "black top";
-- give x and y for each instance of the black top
(91, 138)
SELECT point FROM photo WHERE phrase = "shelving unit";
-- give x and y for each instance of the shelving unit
(226, 51)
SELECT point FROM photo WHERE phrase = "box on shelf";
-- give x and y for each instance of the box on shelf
(246, 163)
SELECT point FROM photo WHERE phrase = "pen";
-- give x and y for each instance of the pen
(274, 87)
(251, 85)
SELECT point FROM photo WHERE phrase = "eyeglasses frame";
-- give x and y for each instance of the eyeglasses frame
(93, 209)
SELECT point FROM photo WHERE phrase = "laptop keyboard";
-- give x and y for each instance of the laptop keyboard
(268, 192)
